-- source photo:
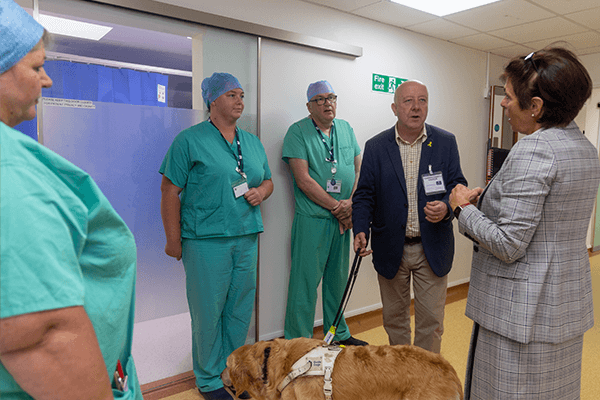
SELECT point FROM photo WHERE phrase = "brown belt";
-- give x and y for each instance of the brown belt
(412, 240)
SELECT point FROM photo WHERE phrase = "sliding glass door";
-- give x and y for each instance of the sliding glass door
(115, 107)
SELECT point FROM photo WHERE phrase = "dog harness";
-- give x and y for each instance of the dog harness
(318, 361)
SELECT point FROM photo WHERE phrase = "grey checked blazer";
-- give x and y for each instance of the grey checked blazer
(530, 277)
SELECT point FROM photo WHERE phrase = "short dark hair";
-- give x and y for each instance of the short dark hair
(557, 77)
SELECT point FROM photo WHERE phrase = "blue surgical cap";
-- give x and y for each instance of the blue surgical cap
(19, 33)
(217, 84)
(319, 87)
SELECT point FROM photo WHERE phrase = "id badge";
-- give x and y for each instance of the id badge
(434, 183)
(334, 186)
(240, 187)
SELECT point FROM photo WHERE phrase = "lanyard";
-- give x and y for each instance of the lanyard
(331, 158)
(240, 159)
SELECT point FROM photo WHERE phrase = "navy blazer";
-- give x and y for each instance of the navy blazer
(380, 203)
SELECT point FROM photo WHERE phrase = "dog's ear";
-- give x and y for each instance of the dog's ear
(246, 369)
(239, 370)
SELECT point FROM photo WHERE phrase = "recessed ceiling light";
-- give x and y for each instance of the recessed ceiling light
(443, 7)
(69, 27)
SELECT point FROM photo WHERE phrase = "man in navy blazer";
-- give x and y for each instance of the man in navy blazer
(401, 202)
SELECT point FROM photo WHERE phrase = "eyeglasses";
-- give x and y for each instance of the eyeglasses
(321, 100)
(530, 59)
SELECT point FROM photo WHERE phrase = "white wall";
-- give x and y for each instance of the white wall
(456, 80)
(455, 76)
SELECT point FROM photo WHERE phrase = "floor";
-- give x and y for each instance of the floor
(455, 343)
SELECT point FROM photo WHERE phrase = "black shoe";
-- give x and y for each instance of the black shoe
(245, 395)
(219, 394)
(352, 341)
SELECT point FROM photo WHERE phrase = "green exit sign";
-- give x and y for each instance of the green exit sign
(386, 84)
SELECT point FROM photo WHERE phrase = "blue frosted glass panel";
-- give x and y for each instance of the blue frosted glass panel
(122, 146)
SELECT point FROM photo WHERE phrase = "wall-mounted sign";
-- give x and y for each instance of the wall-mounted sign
(386, 84)
(71, 103)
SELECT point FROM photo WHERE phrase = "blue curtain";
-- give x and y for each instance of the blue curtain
(29, 128)
(99, 83)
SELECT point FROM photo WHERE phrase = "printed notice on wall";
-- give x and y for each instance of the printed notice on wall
(162, 93)
(50, 101)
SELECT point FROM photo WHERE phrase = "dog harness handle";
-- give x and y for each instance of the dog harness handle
(318, 361)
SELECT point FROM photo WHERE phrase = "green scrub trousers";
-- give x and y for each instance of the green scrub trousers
(221, 285)
(318, 251)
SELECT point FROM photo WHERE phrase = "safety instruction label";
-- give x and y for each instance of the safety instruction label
(386, 84)
(51, 101)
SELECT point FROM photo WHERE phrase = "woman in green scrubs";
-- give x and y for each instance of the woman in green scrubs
(68, 259)
(215, 176)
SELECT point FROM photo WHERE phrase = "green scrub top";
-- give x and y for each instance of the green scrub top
(203, 164)
(303, 141)
(62, 245)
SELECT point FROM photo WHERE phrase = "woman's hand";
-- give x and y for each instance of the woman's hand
(257, 195)
(254, 196)
(173, 250)
(462, 195)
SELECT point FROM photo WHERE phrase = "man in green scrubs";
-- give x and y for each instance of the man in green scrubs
(324, 159)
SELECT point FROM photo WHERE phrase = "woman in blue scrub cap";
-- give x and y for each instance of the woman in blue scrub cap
(215, 176)
(68, 259)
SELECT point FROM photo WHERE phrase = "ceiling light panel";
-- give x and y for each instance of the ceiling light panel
(69, 27)
(444, 7)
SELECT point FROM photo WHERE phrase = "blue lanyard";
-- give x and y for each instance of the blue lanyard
(240, 159)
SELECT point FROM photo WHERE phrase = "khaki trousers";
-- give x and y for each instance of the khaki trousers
(430, 299)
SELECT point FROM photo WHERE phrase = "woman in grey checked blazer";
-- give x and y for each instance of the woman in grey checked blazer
(530, 294)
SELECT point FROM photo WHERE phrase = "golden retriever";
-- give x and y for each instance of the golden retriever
(359, 373)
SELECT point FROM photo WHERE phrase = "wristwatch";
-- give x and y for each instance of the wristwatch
(458, 209)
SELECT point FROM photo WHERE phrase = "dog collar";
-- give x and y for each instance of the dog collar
(267, 353)
(318, 361)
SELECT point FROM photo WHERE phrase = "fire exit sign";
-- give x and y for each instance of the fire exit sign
(386, 84)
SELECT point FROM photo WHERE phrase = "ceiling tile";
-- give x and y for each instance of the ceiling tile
(591, 50)
(482, 42)
(506, 27)
(539, 30)
(344, 5)
(511, 51)
(499, 15)
(566, 6)
(576, 42)
(442, 29)
(394, 14)
(589, 18)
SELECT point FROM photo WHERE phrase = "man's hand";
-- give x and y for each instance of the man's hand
(360, 242)
(435, 211)
(345, 224)
(343, 209)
